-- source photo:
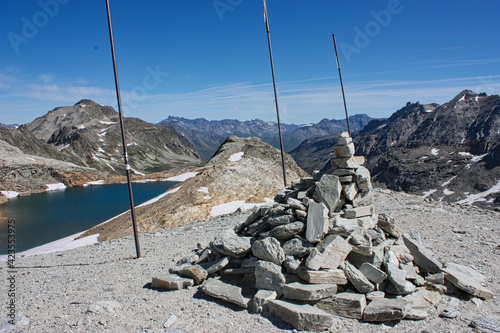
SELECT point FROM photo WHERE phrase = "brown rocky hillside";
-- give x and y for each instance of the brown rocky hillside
(246, 170)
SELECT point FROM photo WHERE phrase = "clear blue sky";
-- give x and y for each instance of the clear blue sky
(210, 58)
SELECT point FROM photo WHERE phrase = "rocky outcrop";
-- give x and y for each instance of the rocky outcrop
(82, 143)
(242, 171)
(449, 155)
(29, 174)
(91, 132)
(447, 152)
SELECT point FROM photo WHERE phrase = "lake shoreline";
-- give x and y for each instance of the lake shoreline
(145, 186)
(7, 195)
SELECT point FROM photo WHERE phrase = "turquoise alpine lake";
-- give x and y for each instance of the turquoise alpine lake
(42, 218)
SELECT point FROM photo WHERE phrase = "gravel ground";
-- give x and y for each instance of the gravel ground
(64, 291)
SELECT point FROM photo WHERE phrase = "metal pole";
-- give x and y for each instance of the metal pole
(341, 85)
(275, 93)
(124, 141)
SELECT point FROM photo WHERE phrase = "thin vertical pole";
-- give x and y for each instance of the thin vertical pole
(341, 85)
(124, 141)
(275, 93)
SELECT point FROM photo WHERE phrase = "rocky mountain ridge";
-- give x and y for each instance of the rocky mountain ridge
(207, 135)
(92, 132)
(81, 143)
(447, 152)
(27, 174)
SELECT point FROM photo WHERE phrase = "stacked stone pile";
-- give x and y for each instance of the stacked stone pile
(320, 251)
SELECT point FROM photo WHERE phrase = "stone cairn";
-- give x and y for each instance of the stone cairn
(320, 251)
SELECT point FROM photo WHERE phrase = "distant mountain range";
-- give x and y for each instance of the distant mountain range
(207, 135)
(447, 152)
(9, 126)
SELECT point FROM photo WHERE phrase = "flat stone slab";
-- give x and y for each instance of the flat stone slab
(373, 295)
(215, 266)
(349, 305)
(466, 283)
(422, 257)
(386, 309)
(342, 141)
(195, 272)
(486, 324)
(308, 292)
(416, 314)
(346, 150)
(228, 243)
(467, 271)
(294, 203)
(225, 292)
(353, 162)
(328, 191)
(437, 278)
(359, 281)
(398, 279)
(301, 317)
(261, 300)
(349, 190)
(423, 299)
(342, 226)
(363, 199)
(372, 273)
(360, 211)
(239, 271)
(411, 273)
(329, 253)
(171, 282)
(280, 220)
(328, 276)
(286, 231)
(317, 222)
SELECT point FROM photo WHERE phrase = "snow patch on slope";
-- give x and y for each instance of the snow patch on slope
(428, 193)
(236, 157)
(54, 187)
(182, 177)
(446, 183)
(63, 244)
(480, 196)
(10, 194)
(155, 199)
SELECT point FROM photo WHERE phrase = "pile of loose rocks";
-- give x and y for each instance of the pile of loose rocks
(320, 251)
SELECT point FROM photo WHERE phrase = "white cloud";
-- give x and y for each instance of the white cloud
(300, 101)
(306, 100)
